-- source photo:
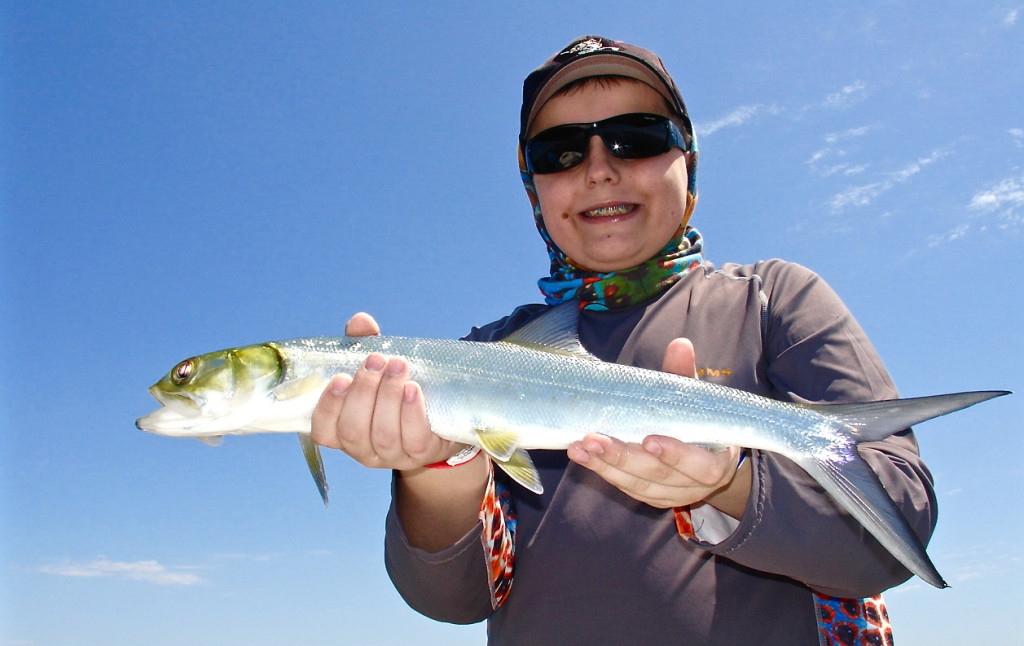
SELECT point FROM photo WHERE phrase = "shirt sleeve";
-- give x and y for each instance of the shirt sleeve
(464, 583)
(817, 352)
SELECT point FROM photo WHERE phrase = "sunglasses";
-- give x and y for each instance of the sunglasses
(628, 136)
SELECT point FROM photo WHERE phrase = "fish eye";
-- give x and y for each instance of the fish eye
(182, 372)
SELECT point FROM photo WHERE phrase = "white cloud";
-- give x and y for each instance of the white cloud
(1011, 18)
(737, 117)
(1005, 199)
(829, 160)
(852, 133)
(242, 556)
(914, 168)
(849, 94)
(1018, 136)
(149, 571)
(847, 170)
(954, 234)
(1002, 202)
(857, 196)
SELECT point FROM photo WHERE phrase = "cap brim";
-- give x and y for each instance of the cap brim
(598, 65)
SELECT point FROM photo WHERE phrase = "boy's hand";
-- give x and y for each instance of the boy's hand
(377, 415)
(662, 471)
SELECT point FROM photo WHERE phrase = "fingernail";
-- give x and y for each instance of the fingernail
(374, 363)
(395, 367)
(578, 454)
(409, 393)
(339, 385)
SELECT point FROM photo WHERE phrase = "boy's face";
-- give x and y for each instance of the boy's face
(609, 213)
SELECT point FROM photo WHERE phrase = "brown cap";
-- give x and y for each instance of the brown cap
(597, 56)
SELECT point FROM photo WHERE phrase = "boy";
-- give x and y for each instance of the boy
(659, 542)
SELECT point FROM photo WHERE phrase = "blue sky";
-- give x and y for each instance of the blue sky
(182, 178)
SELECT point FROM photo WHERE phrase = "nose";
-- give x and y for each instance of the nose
(602, 166)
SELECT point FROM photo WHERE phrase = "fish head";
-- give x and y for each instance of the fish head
(214, 393)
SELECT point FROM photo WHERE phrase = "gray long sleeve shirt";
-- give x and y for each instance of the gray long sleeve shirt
(595, 566)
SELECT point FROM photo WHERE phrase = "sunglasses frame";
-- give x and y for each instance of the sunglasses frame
(605, 129)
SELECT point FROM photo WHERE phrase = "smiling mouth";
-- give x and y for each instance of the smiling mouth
(610, 211)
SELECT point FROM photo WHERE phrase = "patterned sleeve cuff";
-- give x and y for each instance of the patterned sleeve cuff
(498, 515)
(684, 522)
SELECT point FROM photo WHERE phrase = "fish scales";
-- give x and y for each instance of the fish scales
(471, 385)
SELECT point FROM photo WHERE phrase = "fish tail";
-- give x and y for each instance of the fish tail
(857, 489)
(872, 421)
(311, 451)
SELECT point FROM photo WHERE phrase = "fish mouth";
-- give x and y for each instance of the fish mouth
(162, 421)
(181, 400)
(610, 211)
(179, 411)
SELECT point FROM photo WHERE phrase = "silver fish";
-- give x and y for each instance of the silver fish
(540, 389)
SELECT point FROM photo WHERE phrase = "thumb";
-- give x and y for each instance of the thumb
(680, 358)
(362, 324)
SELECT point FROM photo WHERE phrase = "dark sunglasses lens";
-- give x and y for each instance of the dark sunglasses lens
(636, 139)
(557, 149)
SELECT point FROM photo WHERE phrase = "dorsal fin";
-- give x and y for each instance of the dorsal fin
(556, 330)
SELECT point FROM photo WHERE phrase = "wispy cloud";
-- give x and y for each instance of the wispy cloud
(844, 97)
(849, 94)
(983, 560)
(863, 195)
(1005, 200)
(852, 133)
(954, 234)
(1008, 193)
(1000, 205)
(1010, 18)
(148, 571)
(737, 117)
(242, 556)
(831, 159)
(1018, 136)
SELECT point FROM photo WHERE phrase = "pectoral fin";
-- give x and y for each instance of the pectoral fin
(315, 461)
(520, 468)
(500, 445)
(297, 387)
(503, 448)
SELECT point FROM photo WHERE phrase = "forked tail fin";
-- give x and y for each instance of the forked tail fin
(856, 487)
(873, 421)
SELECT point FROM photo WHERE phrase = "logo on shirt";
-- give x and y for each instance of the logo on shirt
(713, 372)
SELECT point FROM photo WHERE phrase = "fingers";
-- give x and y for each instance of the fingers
(356, 418)
(680, 358)
(327, 410)
(709, 469)
(661, 472)
(418, 440)
(378, 417)
(399, 432)
(340, 421)
(362, 324)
